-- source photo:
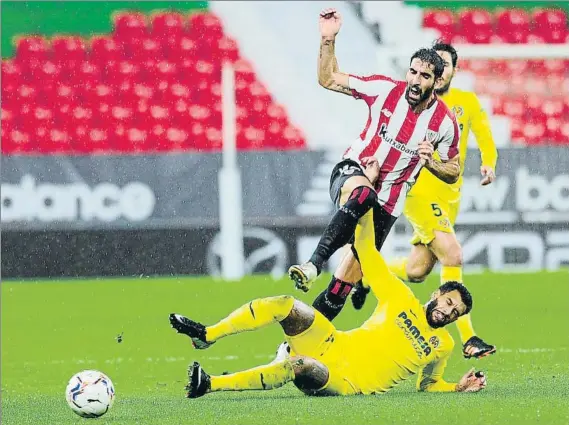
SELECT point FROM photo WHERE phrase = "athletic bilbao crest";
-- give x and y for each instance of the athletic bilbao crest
(432, 136)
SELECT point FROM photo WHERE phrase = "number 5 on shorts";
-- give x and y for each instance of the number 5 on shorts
(437, 210)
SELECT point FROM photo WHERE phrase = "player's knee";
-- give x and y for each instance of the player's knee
(418, 271)
(281, 305)
(299, 319)
(452, 256)
(360, 201)
(309, 374)
(416, 275)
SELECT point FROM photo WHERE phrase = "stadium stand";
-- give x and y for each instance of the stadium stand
(151, 85)
(532, 93)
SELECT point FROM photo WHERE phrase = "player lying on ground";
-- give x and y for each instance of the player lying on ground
(432, 205)
(406, 123)
(401, 338)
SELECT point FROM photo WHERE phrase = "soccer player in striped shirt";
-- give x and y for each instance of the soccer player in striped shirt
(432, 205)
(406, 123)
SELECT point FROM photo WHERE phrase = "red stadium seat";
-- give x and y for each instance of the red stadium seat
(49, 74)
(137, 140)
(441, 20)
(26, 93)
(205, 26)
(163, 74)
(534, 133)
(553, 107)
(173, 139)
(11, 80)
(513, 25)
(105, 49)
(515, 106)
(99, 140)
(68, 49)
(8, 117)
(136, 90)
(549, 18)
(168, 26)
(227, 50)
(244, 71)
(18, 141)
(144, 51)
(475, 20)
(32, 48)
(129, 25)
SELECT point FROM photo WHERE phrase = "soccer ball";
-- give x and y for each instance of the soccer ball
(90, 393)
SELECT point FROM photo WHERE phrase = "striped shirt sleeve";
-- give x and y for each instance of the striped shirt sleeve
(371, 86)
(450, 136)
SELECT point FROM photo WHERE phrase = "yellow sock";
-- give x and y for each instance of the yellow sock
(464, 323)
(465, 329)
(399, 268)
(254, 315)
(265, 377)
(451, 274)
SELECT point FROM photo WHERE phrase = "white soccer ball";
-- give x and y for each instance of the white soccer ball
(90, 393)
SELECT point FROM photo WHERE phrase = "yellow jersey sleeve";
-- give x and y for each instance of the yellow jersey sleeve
(430, 378)
(382, 282)
(480, 126)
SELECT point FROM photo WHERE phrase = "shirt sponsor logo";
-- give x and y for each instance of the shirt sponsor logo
(413, 334)
(401, 147)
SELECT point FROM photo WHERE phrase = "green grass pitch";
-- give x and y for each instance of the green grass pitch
(53, 329)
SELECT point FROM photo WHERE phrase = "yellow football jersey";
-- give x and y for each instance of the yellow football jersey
(470, 116)
(396, 341)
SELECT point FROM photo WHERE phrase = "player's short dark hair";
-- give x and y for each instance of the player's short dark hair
(441, 46)
(430, 56)
(464, 293)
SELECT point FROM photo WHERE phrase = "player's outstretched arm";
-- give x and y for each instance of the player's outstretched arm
(480, 125)
(329, 75)
(431, 378)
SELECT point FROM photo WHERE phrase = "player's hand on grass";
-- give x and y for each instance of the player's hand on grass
(488, 175)
(371, 168)
(330, 22)
(426, 151)
(472, 382)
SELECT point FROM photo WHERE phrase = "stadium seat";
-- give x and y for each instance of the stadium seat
(168, 26)
(475, 25)
(32, 48)
(442, 20)
(513, 25)
(143, 88)
(205, 25)
(11, 79)
(130, 25)
(67, 49)
(105, 49)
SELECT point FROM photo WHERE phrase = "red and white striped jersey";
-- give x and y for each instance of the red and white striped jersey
(393, 132)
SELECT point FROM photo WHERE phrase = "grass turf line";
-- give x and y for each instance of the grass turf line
(51, 330)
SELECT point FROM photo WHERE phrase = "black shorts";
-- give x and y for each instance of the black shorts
(342, 172)
(382, 220)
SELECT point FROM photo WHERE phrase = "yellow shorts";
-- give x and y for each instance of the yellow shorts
(324, 343)
(427, 214)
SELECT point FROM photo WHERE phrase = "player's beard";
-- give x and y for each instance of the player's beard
(442, 90)
(424, 96)
(432, 306)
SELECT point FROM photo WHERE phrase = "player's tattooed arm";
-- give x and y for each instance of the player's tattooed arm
(329, 75)
(448, 171)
